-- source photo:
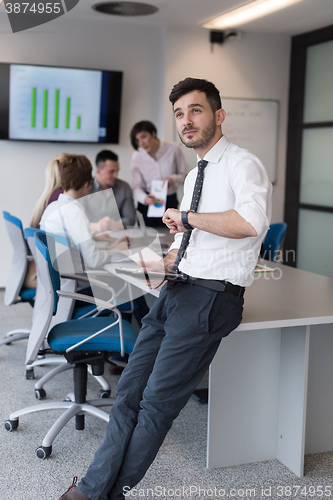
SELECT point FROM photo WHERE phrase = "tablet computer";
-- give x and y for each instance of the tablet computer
(141, 274)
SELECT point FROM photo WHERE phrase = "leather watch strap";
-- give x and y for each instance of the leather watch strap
(185, 223)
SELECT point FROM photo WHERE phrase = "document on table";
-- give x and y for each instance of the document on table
(264, 269)
(146, 254)
(160, 190)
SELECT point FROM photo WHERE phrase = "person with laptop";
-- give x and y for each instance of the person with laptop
(223, 218)
(109, 205)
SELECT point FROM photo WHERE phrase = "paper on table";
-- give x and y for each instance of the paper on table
(264, 269)
(160, 191)
(146, 254)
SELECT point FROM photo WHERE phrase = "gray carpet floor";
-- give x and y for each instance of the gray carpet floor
(178, 471)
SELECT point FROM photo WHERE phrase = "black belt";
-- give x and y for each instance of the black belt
(217, 285)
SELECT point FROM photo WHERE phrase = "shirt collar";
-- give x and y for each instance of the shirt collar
(96, 184)
(215, 153)
(158, 152)
(66, 197)
(98, 187)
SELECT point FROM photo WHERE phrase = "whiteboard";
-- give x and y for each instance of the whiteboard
(253, 124)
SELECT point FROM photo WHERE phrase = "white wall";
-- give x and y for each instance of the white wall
(153, 60)
(137, 51)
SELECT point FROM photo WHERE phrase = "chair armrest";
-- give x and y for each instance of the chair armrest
(97, 272)
(78, 277)
(86, 298)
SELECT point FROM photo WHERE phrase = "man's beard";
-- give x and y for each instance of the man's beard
(207, 135)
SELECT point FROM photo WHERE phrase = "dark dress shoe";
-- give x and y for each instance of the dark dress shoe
(73, 492)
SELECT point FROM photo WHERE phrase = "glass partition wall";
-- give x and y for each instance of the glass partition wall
(309, 181)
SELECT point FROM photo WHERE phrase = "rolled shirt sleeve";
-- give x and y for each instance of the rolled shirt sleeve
(253, 191)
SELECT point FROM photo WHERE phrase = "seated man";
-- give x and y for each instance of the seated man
(66, 216)
(115, 208)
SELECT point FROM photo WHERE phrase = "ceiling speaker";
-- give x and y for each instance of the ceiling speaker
(125, 8)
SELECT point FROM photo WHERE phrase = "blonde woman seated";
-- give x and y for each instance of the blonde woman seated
(51, 192)
(52, 189)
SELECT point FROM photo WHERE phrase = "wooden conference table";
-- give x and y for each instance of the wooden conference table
(270, 383)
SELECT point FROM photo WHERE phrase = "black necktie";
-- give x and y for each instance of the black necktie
(194, 206)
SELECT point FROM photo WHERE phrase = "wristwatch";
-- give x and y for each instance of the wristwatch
(184, 214)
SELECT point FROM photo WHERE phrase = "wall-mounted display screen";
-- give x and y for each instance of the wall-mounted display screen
(45, 103)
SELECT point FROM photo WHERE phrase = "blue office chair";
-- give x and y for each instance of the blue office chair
(273, 241)
(15, 291)
(87, 341)
(37, 349)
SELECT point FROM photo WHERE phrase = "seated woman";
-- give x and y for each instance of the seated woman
(154, 160)
(66, 216)
(52, 189)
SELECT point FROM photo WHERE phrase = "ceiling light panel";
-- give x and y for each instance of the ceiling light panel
(247, 13)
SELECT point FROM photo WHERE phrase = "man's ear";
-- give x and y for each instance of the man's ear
(220, 116)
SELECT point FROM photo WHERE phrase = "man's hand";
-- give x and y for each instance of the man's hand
(102, 224)
(123, 243)
(162, 266)
(172, 219)
(151, 266)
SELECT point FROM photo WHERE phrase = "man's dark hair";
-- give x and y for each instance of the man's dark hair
(75, 172)
(191, 84)
(105, 155)
(144, 126)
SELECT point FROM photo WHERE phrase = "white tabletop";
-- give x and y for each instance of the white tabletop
(284, 297)
(287, 297)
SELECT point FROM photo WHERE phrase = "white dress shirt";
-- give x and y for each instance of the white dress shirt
(234, 179)
(144, 168)
(66, 217)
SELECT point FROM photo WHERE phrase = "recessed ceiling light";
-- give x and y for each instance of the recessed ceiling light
(247, 12)
(125, 8)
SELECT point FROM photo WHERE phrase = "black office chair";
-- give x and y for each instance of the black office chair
(85, 341)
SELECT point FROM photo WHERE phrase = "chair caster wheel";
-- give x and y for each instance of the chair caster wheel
(43, 451)
(11, 425)
(40, 394)
(29, 374)
(104, 394)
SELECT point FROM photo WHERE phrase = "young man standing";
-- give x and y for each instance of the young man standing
(222, 221)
